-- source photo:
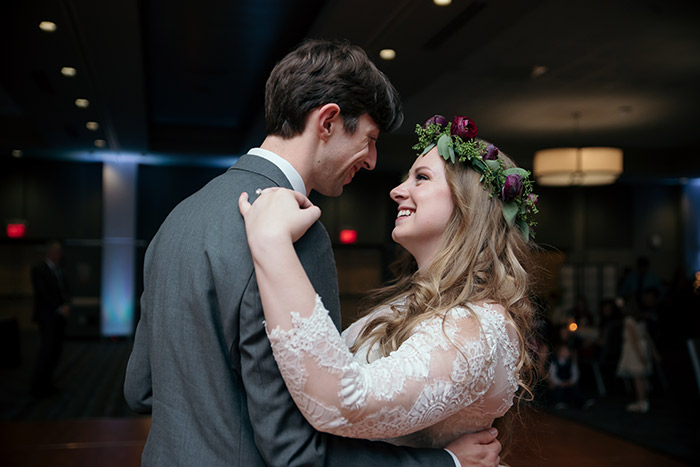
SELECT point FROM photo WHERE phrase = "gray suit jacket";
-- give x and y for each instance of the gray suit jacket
(201, 362)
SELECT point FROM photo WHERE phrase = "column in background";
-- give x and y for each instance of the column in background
(118, 247)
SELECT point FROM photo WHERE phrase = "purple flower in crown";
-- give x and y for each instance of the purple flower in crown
(436, 119)
(463, 127)
(491, 153)
(512, 187)
(533, 199)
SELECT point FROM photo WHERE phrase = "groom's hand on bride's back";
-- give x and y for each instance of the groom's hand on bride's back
(477, 449)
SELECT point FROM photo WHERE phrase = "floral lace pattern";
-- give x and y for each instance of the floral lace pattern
(443, 381)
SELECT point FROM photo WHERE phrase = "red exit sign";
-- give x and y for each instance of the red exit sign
(16, 229)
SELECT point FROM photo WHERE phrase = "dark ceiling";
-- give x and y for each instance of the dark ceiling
(184, 80)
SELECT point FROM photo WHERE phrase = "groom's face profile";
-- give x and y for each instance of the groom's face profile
(347, 153)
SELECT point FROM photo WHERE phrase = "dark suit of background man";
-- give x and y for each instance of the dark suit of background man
(51, 308)
(201, 362)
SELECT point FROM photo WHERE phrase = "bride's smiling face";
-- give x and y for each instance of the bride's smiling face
(425, 206)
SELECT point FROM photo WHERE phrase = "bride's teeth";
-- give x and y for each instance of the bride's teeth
(404, 213)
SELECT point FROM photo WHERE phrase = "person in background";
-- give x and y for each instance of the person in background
(640, 280)
(636, 357)
(563, 378)
(611, 318)
(51, 310)
(609, 341)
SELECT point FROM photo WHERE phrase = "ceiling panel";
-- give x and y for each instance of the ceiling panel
(186, 79)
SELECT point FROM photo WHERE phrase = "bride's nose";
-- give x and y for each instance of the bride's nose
(398, 193)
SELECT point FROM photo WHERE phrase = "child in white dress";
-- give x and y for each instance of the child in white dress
(636, 357)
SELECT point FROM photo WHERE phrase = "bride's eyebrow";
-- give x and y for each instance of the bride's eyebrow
(412, 171)
(424, 167)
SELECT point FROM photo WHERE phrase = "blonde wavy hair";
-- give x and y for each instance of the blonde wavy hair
(480, 259)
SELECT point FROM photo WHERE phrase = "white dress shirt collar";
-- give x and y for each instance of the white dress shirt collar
(287, 169)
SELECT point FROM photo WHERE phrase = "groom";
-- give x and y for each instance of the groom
(201, 362)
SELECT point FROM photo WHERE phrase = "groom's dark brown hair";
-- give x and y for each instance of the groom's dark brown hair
(320, 72)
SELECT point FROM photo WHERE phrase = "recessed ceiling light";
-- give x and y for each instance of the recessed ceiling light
(47, 26)
(68, 71)
(538, 70)
(17, 153)
(100, 143)
(387, 54)
(82, 103)
(94, 126)
(442, 2)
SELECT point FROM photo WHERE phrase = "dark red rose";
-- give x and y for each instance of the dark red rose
(491, 153)
(512, 187)
(436, 119)
(463, 127)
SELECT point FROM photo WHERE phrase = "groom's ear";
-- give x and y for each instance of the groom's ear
(328, 121)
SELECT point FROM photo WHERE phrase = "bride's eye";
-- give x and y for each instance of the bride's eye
(420, 176)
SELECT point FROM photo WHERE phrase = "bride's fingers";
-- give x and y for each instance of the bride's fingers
(303, 201)
(278, 211)
(300, 198)
(311, 214)
(272, 199)
(309, 211)
(243, 204)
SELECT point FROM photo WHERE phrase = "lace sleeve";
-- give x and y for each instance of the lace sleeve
(424, 381)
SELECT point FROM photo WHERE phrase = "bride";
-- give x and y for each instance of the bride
(442, 350)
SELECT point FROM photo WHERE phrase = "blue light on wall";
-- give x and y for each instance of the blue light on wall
(118, 246)
(691, 214)
(199, 160)
(118, 272)
(119, 174)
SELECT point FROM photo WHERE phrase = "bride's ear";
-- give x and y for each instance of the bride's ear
(328, 120)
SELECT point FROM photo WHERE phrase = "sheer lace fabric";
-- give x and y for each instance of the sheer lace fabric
(445, 380)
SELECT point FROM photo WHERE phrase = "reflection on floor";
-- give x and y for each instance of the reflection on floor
(551, 441)
(88, 422)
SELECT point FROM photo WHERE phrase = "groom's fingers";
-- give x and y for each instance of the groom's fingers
(486, 436)
(481, 448)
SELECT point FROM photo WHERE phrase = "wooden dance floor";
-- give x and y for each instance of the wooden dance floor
(551, 441)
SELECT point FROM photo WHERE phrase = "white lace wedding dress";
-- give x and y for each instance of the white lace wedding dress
(445, 380)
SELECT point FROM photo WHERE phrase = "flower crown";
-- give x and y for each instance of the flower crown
(456, 141)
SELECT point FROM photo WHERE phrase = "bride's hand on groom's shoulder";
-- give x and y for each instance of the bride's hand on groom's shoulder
(277, 214)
